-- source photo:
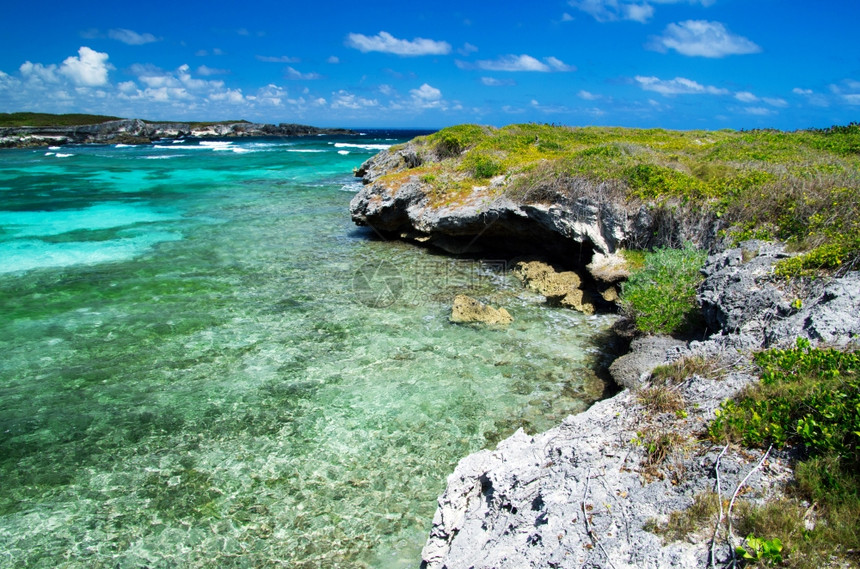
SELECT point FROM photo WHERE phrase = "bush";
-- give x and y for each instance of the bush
(661, 297)
(810, 399)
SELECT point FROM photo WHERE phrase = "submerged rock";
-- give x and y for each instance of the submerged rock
(562, 288)
(467, 309)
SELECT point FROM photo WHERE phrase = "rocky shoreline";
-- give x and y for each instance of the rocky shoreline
(136, 131)
(591, 492)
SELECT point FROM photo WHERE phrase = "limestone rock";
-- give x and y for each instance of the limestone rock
(467, 309)
(558, 287)
(646, 353)
(608, 268)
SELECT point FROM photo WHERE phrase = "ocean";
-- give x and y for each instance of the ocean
(206, 364)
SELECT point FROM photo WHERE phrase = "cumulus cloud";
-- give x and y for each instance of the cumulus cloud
(131, 37)
(588, 96)
(345, 100)
(677, 86)
(89, 69)
(426, 93)
(38, 72)
(386, 43)
(616, 10)
(519, 63)
(701, 38)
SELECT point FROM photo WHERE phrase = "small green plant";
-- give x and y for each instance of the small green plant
(661, 297)
(808, 398)
(768, 551)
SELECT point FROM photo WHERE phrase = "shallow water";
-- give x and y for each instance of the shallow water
(206, 364)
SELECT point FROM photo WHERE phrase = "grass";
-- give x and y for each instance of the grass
(802, 187)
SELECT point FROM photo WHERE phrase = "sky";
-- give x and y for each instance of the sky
(678, 64)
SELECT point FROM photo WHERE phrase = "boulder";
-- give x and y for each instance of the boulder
(646, 353)
(558, 287)
(467, 309)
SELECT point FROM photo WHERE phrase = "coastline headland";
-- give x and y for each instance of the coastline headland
(137, 131)
(600, 489)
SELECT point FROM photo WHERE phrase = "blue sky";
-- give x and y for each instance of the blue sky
(680, 64)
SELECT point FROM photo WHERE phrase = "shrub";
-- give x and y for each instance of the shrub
(661, 297)
(808, 398)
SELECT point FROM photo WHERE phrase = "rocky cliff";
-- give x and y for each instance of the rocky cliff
(136, 131)
(592, 491)
(582, 223)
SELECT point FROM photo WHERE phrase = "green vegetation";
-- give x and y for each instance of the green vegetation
(661, 296)
(808, 399)
(47, 119)
(801, 187)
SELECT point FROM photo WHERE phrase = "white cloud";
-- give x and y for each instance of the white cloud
(848, 90)
(759, 111)
(588, 96)
(467, 49)
(493, 82)
(386, 43)
(566, 17)
(131, 37)
(558, 65)
(89, 69)
(426, 93)
(613, 10)
(333, 60)
(520, 63)
(677, 86)
(345, 100)
(746, 97)
(233, 96)
(298, 75)
(207, 71)
(701, 38)
(616, 10)
(775, 102)
(38, 72)
(278, 59)
(813, 98)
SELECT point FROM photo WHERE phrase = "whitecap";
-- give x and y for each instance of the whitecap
(53, 148)
(363, 146)
(308, 150)
(59, 155)
(343, 152)
(49, 153)
(123, 146)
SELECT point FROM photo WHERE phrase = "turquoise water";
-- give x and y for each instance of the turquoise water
(204, 363)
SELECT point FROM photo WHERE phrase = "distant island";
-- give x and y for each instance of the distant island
(22, 130)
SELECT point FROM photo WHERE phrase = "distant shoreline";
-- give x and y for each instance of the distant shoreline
(90, 129)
